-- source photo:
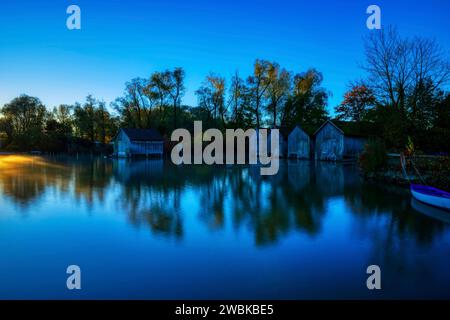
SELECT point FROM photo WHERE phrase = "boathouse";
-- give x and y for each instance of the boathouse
(331, 143)
(299, 144)
(138, 142)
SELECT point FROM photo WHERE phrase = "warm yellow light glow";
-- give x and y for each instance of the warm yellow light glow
(16, 161)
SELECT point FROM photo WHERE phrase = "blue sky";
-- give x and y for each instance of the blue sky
(120, 40)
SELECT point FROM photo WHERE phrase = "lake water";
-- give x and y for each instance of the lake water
(151, 230)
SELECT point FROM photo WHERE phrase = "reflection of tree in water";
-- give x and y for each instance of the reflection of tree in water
(25, 179)
(23, 186)
(392, 204)
(255, 203)
(157, 209)
(264, 203)
(90, 179)
(212, 198)
(304, 195)
(270, 206)
(405, 232)
(150, 192)
(329, 178)
(294, 199)
(146, 197)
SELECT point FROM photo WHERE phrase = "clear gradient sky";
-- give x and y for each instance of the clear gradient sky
(120, 40)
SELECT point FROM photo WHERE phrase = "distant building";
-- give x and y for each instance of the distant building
(299, 144)
(138, 142)
(331, 143)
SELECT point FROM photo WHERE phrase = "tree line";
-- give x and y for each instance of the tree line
(402, 96)
(271, 96)
(27, 125)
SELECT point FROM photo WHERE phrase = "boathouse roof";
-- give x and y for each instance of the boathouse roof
(143, 134)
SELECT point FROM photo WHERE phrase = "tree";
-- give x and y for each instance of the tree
(175, 89)
(307, 102)
(431, 70)
(211, 96)
(205, 103)
(140, 100)
(102, 120)
(26, 116)
(237, 93)
(278, 90)
(387, 66)
(141, 96)
(406, 75)
(6, 129)
(258, 83)
(93, 122)
(399, 67)
(63, 115)
(422, 104)
(442, 111)
(136, 105)
(357, 102)
(158, 87)
(55, 136)
(85, 119)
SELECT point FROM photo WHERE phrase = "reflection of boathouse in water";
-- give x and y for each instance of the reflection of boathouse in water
(126, 169)
(299, 174)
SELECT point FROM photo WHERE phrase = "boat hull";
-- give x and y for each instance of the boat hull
(433, 200)
(431, 211)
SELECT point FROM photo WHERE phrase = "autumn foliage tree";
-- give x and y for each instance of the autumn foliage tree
(357, 102)
(211, 97)
(307, 101)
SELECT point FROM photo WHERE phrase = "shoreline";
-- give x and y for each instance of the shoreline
(434, 170)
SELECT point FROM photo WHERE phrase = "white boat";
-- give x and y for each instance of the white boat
(431, 196)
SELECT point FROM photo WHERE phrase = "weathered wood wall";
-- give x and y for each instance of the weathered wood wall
(299, 144)
(124, 147)
(146, 147)
(329, 143)
(354, 146)
(121, 144)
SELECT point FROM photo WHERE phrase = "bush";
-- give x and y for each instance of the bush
(374, 156)
(436, 171)
(13, 147)
(433, 141)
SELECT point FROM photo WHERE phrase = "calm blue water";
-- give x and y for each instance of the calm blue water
(148, 229)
